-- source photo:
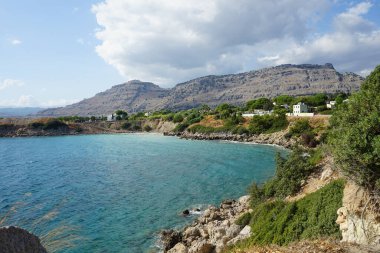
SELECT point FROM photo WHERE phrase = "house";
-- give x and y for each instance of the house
(331, 104)
(256, 113)
(147, 114)
(302, 110)
(111, 117)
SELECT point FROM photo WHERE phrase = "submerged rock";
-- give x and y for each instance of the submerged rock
(18, 240)
(185, 212)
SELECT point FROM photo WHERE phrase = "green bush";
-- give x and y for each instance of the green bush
(312, 217)
(289, 174)
(355, 134)
(147, 128)
(36, 125)
(300, 127)
(6, 126)
(126, 125)
(177, 118)
(180, 127)
(54, 124)
(240, 130)
(243, 220)
(268, 123)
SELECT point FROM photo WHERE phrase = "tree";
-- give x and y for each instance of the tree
(261, 103)
(120, 115)
(355, 134)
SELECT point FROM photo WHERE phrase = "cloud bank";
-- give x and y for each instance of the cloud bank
(168, 41)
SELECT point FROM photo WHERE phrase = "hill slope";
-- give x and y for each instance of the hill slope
(296, 80)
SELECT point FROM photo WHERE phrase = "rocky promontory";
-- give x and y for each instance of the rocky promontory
(214, 229)
(277, 138)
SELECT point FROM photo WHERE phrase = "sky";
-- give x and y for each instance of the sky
(57, 52)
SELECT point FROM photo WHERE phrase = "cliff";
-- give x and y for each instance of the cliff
(136, 96)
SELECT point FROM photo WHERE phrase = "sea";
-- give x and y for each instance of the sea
(115, 192)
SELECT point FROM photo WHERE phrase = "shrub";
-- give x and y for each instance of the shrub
(54, 124)
(308, 140)
(240, 130)
(6, 127)
(126, 125)
(36, 125)
(289, 174)
(355, 134)
(180, 127)
(300, 127)
(177, 118)
(147, 128)
(314, 216)
(268, 123)
(243, 220)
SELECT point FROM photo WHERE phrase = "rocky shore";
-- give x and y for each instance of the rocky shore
(277, 138)
(214, 229)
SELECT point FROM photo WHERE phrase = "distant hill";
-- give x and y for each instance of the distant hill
(19, 111)
(135, 96)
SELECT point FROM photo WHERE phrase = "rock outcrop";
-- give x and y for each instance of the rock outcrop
(212, 231)
(18, 240)
(277, 138)
(359, 218)
(136, 96)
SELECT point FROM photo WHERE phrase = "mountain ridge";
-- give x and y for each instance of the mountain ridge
(290, 79)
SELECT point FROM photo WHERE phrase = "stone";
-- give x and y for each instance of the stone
(201, 246)
(178, 248)
(191, 232)
(170, 238)
(233, 231)
(18, 240)
(185, 212)
(357, 221)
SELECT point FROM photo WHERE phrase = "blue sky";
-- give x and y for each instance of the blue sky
(56, 52)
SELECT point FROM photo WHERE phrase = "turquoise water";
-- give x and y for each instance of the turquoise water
(112, 193)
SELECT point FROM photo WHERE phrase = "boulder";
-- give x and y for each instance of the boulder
(185, 212)
(191, 232)
(18, 240)
(170, 238)
(178, 248)
(201, 246)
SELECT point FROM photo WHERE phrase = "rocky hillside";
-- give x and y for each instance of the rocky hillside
(135, 96)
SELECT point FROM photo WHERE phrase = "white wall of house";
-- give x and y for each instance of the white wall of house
(300, 108)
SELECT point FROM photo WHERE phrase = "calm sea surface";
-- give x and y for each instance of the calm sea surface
(112, 193)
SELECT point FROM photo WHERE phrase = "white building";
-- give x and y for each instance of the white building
(331, 104)
(111, 117)
(256, 112)
(302, 110)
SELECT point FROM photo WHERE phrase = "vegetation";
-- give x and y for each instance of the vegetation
(121, 115)
(288, 178)
(355, 134)
(54, 124)
(261, 103)
(314, 216)
(268, 123)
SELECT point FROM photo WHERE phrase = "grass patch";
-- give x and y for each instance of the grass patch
(312, 217)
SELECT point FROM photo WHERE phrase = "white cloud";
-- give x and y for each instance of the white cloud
(16, 42)
(353, 45)
(168, 41)
(31, 101)
(8, 83)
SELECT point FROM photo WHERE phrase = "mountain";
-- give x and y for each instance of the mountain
(18, 111)
(136, 96)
